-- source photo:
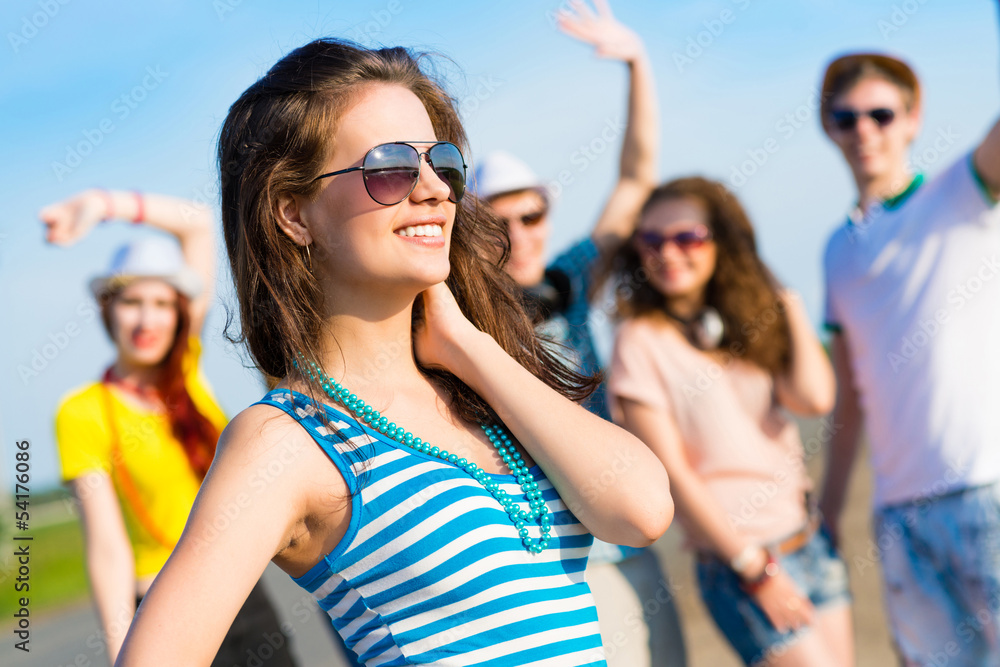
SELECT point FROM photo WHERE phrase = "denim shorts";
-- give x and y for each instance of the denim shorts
(940, 561)
(816, 569)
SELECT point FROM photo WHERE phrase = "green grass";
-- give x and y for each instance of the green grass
(57, 575)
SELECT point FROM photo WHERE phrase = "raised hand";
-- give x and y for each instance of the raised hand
(442, 331)
(600, 29)
(68, 221)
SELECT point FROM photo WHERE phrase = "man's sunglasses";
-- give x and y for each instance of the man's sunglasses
(847, 119)
(391, 171)
(529, 219)
(686, 240)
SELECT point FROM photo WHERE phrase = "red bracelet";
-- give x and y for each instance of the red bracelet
(140, 208)
(109, 205)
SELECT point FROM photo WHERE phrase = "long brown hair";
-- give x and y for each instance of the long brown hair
(274, 141)
(196, 433)
(741, 288)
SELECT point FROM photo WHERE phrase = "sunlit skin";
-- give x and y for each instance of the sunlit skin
(356, 242)
(679, 274)
(143, 325)
(527, 242)
(876, 155)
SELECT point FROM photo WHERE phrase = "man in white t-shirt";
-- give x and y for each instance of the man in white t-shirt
(913, 301)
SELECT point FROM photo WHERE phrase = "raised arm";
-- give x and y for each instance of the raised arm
(987, 160)
(637, 170)
(843, 445)
(575, 448)
(110, 561)
(70, 220)
(239, 522)
(808, 387)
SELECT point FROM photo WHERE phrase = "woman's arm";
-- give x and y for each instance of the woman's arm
(846, 435)
(110, 560)
(70, 220)
(707, 519)
(809, 386)
(637, 170)
(575, 448)
(245, 514)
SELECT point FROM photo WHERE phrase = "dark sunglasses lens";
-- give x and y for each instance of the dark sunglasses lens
(690, 239)
(650, 240)
(533, 218)
(391, 172)
(449, 165)
(882, 116)
(845, 120)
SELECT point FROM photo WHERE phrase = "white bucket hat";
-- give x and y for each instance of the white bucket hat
(500, 172)
(150, 257)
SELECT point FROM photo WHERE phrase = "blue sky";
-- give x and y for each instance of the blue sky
(131, 95)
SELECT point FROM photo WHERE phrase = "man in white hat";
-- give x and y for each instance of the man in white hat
(913, 306)
(558, 295)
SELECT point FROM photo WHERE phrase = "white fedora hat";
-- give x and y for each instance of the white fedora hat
(500, 172)
(151, 257)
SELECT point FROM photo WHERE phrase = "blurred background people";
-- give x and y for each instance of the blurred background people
(710, 353)
(913, 307)
(135, 445)
(560, 297)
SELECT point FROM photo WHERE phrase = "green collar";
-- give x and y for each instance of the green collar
(897, 201)
(891, 203)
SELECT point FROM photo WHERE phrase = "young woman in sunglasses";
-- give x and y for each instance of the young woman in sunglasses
(135, 446)
(710, 355)
(420, 467)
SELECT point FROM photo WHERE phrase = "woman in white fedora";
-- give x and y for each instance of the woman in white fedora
(135, 445)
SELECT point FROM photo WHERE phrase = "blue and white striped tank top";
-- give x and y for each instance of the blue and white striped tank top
(432, 571)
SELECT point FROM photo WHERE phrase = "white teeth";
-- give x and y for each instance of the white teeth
(421, 230)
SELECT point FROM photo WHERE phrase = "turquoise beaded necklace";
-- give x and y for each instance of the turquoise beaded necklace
(499, 438)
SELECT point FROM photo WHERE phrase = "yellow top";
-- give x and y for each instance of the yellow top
(153, 458)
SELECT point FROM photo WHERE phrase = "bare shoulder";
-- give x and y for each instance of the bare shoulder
(275, 460)
(269, 448)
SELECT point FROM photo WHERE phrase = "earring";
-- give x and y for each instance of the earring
(309, 259)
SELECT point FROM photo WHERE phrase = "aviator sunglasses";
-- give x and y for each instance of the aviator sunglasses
(686, 240)
(392, 170)
(847, 119)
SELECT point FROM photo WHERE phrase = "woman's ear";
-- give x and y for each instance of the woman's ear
(288, 211)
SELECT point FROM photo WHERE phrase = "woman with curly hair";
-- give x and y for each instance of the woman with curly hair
(711, 353)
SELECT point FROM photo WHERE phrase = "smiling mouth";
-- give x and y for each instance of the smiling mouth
(426, 230)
